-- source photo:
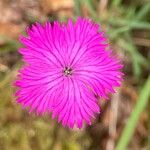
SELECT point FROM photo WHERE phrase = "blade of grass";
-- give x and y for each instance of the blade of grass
(135, 62)
(116, 32)
(92, 10)
(131, 12)
(116, 2)
(140, 25)
(77, 4)
(144, 10)
(137, 59)
(140, 58)
(131, 23)
(132, 121)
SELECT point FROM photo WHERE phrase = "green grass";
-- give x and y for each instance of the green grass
(135, 115)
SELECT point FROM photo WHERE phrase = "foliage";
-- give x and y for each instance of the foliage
(128, 26)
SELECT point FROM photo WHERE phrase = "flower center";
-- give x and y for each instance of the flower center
(67, 71)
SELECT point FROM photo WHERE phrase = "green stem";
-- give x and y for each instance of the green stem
(132, 121)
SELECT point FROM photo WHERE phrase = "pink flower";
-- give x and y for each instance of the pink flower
(66, 67)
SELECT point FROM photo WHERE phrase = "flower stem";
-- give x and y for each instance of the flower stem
(132, 121)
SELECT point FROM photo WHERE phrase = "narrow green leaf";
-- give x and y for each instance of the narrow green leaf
(116, 2)
(137, 59)
(92, 10)
(130, 23)
(116, 32)
(77, 4)
(144, 10)
(135, 115)
(140, 25)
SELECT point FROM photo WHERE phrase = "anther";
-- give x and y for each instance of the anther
(67, 71)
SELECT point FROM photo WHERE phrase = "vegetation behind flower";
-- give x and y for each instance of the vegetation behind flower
(127, 24)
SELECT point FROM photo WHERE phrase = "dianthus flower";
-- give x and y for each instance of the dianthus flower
(67, 66)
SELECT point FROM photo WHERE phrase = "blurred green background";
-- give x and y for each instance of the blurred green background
(124, 122)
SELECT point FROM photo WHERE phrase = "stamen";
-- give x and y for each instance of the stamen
(67, 71)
